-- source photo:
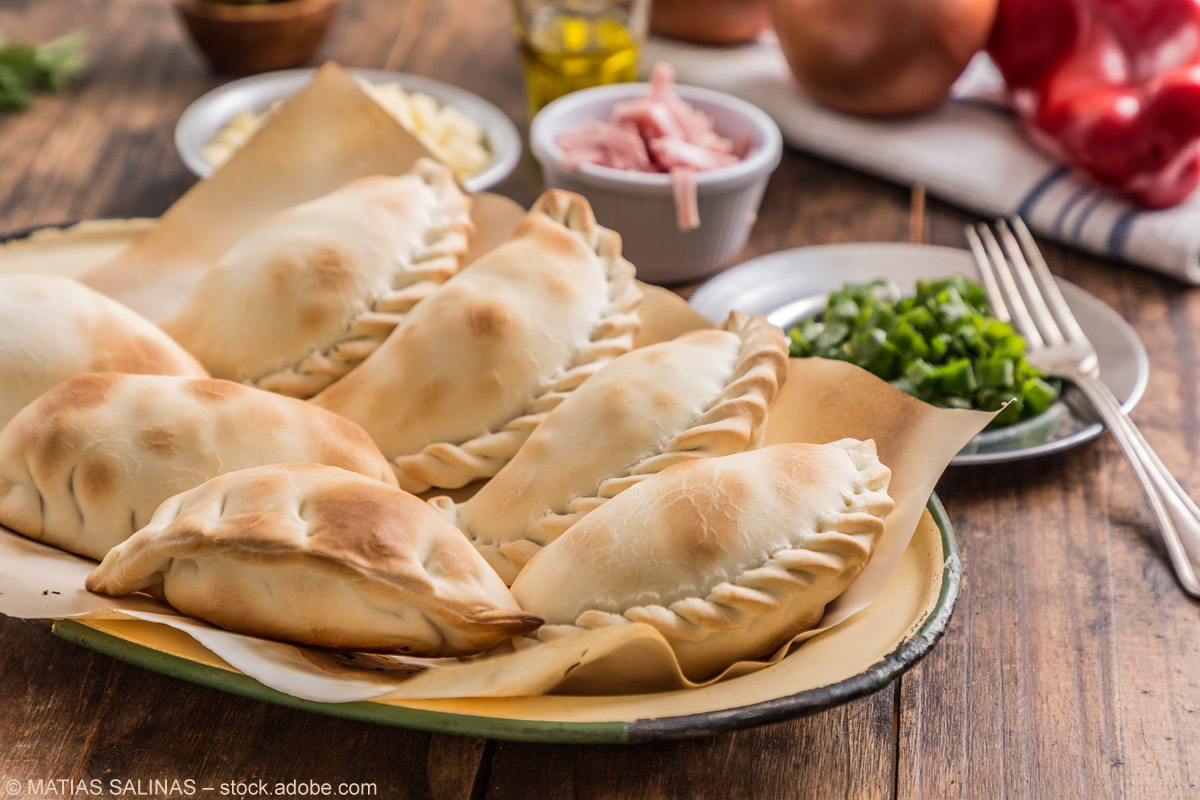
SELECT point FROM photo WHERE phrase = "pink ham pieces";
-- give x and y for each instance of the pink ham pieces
(658, 132)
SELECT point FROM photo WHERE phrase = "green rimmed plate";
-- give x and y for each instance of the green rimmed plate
(860, 656)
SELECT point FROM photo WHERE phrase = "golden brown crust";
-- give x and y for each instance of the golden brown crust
(55, 328)
(86, 464)
(527, 323)
(346, 563)
(735, 420)
(701, 395)
(728, 558)
(313, 291)
(451, 465)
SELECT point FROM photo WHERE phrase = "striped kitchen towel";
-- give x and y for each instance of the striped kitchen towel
(968, 151)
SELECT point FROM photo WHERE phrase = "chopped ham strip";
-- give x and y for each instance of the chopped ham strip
(601, 143)
(650, 119)
(671, 153)
(658, 132)
(683, 187)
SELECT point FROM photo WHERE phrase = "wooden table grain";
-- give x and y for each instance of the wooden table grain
(1071, 667)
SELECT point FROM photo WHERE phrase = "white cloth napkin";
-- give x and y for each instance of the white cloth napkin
(969, 151)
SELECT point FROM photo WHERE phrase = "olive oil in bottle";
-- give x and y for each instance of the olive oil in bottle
(564, 51)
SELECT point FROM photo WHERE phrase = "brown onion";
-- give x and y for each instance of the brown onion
(710, 21)
(880, 56)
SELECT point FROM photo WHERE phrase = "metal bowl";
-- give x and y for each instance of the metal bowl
(791, 284)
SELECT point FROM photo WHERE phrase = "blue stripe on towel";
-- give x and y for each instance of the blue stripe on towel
(1092, 205)
(995, 107)
(1076, 196)
(1033, 195)
(1119, 235)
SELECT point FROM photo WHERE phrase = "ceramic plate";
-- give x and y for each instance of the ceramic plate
(200, 122)
(792, 284)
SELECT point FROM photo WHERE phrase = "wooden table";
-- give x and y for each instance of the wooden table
(1070, 668)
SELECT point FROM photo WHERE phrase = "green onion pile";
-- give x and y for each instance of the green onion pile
(942, 346)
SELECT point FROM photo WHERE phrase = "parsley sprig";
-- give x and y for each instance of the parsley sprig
(26, 69)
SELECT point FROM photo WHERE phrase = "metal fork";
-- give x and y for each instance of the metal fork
(1022, 290)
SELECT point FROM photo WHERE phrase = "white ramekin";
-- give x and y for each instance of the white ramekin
(641, 207)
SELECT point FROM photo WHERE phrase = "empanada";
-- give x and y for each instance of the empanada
(705, 393)
(85, 465)
(318, 556)
(458, 386)
(728, 557)
(312, 291)
(53, 328)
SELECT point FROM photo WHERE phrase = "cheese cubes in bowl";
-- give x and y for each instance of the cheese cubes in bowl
(462, 130)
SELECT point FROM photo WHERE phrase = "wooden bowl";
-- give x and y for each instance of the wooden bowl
(259, 37)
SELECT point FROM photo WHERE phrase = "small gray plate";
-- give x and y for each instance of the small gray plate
(206, 116)
(792, 284)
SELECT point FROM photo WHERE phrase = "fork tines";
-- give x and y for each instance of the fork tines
(1019, 284)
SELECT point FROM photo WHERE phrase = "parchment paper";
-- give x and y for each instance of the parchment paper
(338, 132)
(327, 135)
(827, 400)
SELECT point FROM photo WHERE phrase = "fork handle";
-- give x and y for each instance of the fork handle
(1177, 516)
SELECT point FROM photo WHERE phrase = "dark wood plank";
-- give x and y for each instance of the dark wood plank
(66, 712)
(810, 201)
(1069, 669)
(841, 753)
(104, 147)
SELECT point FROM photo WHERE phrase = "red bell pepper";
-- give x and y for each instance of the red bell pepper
(1112, 87)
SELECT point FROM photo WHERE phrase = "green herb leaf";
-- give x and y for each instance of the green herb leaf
(25, 69)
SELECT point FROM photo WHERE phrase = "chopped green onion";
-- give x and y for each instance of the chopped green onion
(941, 345)
(1038, 395)
(996, 371)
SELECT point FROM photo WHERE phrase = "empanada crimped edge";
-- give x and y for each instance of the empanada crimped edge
(445, 245)
(743, 616)
(440, 234)
(447, 464)
(319, 535)
(729, 421)
(736, 419)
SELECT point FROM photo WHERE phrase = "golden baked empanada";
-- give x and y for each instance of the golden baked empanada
(458, 386)
(728, 557)
(312, 291)
(53, 328)
(318, 556)
(85, 465)
(705, 393)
